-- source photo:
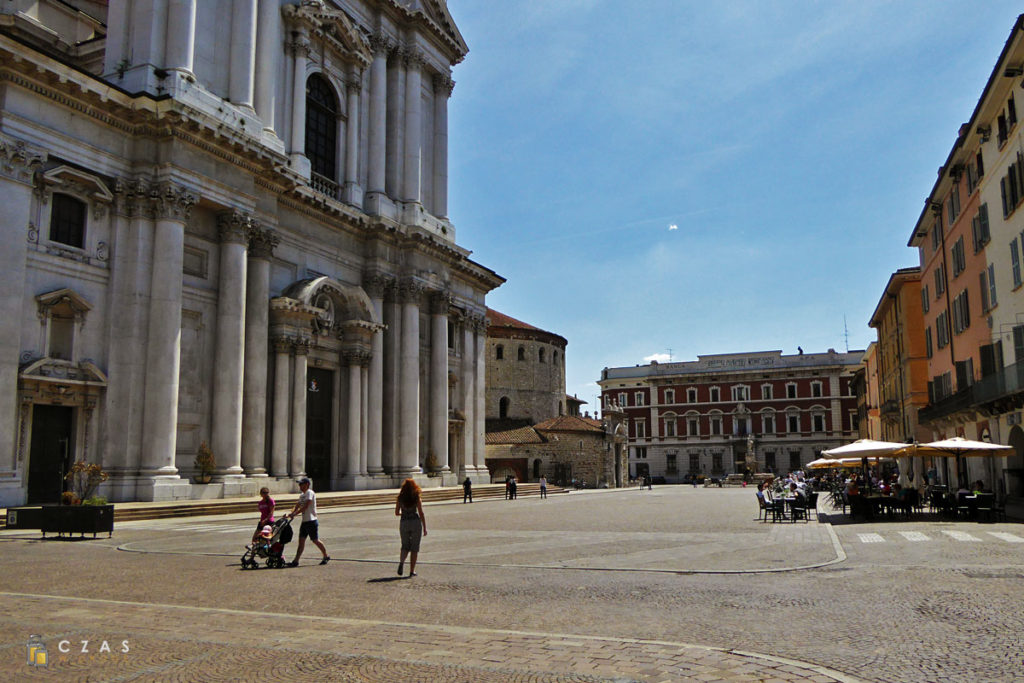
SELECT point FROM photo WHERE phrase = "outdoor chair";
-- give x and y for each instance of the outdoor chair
(798, 509)
(999, 510)
(762, 509)
(777, 508)
(983, 506)
(812, 504)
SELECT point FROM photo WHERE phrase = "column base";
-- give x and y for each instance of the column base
(412, 212)
(353, 194)
(300, 164)
(161, 488)
(11, 490)
(379, 204)
(359, 482)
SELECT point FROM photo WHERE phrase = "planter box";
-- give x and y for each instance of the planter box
(78, 519)
(28, 517)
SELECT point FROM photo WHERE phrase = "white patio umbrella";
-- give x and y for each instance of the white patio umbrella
(864, 447)
(958, 447)
(823, 464)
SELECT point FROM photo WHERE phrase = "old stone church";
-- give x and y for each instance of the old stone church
(226, 221)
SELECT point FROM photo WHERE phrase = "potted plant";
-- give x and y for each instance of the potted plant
(204, 463)
(431, 464)
(80, 511)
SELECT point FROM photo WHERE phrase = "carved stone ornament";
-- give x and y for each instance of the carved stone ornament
(325, 316)
(381, 43)
(375, 286)
(234, 226)
(409, 292)
(262, 242)
(443, 84)
(440, 302)
(172, 202)
(18, 159)
(357, 357)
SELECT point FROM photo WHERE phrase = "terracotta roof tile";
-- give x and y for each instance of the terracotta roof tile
(513, 436)
(501, 320)
(569, 423)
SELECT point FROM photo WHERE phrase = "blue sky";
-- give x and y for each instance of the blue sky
(705, 177)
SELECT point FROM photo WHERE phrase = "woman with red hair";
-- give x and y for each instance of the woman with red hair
(410, 508)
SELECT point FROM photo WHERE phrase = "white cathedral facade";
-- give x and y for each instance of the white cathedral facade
(226, 221)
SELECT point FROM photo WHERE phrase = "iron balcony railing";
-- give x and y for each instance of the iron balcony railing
(1005, 383)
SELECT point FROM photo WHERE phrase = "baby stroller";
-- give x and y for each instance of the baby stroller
(272, 548)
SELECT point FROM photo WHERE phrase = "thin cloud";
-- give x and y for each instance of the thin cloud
(660, 357)
(673, 227)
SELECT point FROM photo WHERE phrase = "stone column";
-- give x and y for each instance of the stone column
(18, 163)
(468, 395)
(392, 377)
(480, 389)
(443, 85)
(364, 400)
(297, 460)
(179, 52)
(173, 206)
(412, 167)
(353, 191)
(282, 408)
(297, 140)
(242, 74)
(378, 115)
(269, 44)
(409, 392)
(257, 313)
(355, 399)
(229, 352)
(394, 153)
(440, 302)
(374, 287)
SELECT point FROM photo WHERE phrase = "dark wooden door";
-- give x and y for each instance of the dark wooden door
(319, 401)
(50, 454)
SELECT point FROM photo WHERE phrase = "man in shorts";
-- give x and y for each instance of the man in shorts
(306, 506)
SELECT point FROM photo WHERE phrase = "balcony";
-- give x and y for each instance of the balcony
(1002, 391)
(325, 185)
(955, 403)
(890, 407)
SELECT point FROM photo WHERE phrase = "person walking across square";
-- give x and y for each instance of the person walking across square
(467, 491)
(306, 506)
(543, 487)
(413, 524)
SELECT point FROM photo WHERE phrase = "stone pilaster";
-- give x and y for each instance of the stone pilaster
(353, 191)
(440, 302)
(412, 183)
(229, 349)
(18, 163)
(242, 74)
(282, 407)
(257, 313)
(409, 392)
(468, 395)
(173, 207)
(376, 160)
(395, 117)
(480, 390)
(374, 286)
(269, 39)
(443, 85)
(356, 361)
(297, 141)
(179, 53)
(297, 460)
(391, 377)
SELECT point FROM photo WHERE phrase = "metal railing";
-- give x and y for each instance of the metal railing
(325, 185)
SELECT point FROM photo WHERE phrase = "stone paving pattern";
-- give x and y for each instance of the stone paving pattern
(509, 601)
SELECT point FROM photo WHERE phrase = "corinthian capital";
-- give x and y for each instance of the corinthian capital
(409, 291)
(413, 57)
(133, 197)
(234, 226)
(381, 43)
(18, 159)
(443, 84)
(440, 302)
(262, 242)
(375, 285)
(172, 201)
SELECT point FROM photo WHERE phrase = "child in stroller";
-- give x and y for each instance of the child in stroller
(270, 545)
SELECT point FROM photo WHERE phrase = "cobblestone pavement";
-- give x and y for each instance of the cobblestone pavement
(595, 586)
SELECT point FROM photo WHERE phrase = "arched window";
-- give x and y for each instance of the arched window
(536, 468)
(522, 353)
(67, 220)
(321, 127)
(540, 355)
(503, 407)
(499, 352)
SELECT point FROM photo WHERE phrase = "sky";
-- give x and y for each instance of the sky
(684, 177)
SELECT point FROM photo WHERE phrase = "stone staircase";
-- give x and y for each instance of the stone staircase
(124, 512)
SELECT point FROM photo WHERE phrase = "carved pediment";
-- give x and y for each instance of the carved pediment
(75, 180)
(333, 27)
(63, 372)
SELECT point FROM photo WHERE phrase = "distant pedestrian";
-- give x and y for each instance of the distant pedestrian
(508, 488)
(467, 491)
(306, 506)
(543, 487)
(649, 482)
(512, 488)
(413, 524)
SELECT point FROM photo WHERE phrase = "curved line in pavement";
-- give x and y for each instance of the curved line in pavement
(465, 630)
(836, 546)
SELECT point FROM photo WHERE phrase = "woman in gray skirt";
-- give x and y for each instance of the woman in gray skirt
(410, 508)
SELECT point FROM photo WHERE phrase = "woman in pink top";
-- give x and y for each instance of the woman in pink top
(266, 507)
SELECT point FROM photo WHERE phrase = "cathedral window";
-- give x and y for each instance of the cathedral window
(499, 352)
(67, 221)
(321, 127)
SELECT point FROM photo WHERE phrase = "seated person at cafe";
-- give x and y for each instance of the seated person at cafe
(979, 487)
(962, 492)
(797, 492)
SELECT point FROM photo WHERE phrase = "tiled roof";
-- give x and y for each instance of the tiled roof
(513, 436)
(573, 399)
(569, 423)
(501, 320)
